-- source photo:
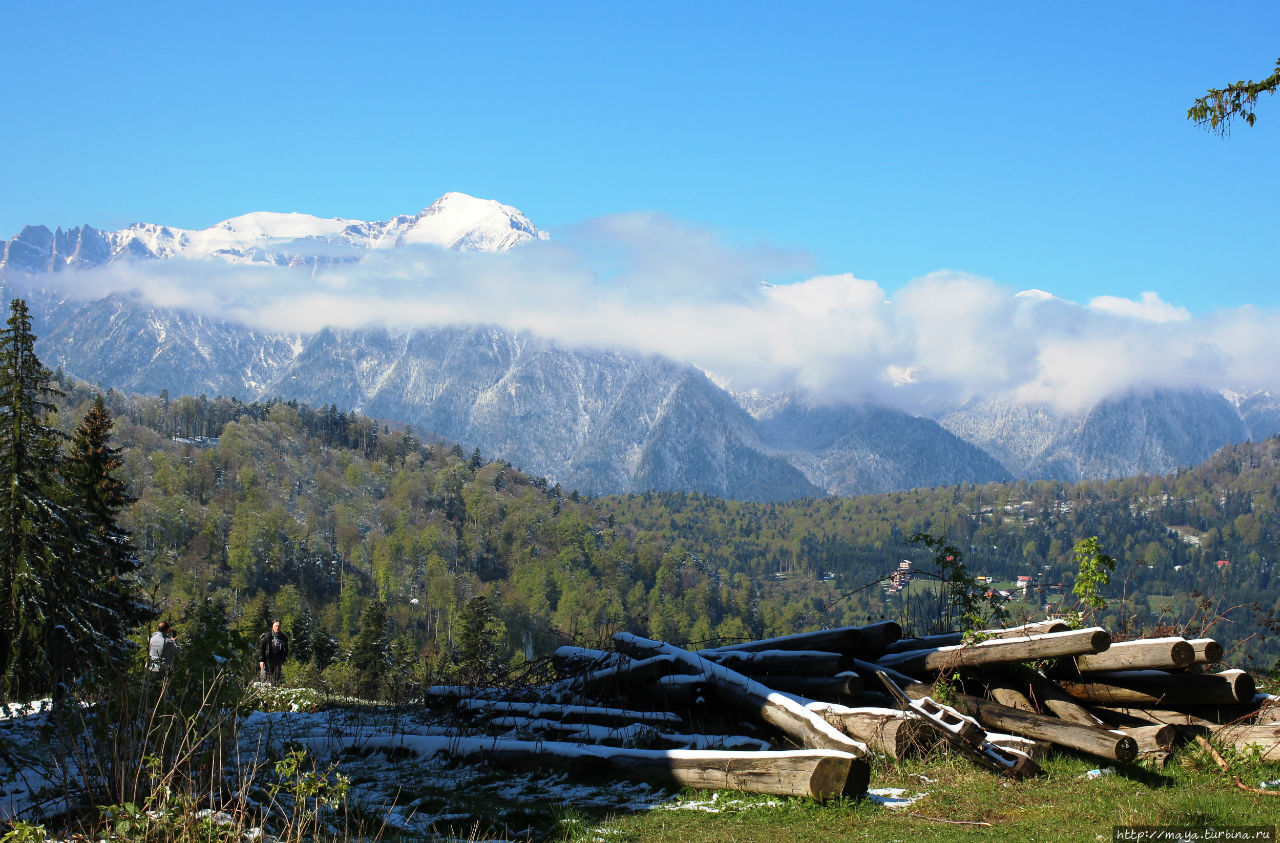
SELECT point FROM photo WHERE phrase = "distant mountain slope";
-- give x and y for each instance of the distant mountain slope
(1153, 432)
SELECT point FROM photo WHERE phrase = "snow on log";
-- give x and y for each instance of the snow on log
(779, 710)
(820, 774)
(628, 672)
(1157, 653)
(887, 731)
(1048, 645)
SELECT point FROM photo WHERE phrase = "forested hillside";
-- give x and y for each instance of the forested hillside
(370, 541)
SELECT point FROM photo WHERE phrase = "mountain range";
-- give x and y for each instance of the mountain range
(595, 419)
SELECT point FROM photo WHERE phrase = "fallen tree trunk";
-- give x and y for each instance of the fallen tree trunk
(1153, 687)
(1158, 653)
(1002, 651)
(819, 774)
(864, 642)
(1154, 738)
(1154, 715)
(1088, 739)
(783, 662)
(774, 708)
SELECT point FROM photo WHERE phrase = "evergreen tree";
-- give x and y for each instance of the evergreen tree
(369, 655)
(94, 487)
(49, 594)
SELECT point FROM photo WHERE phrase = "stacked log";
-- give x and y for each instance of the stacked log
(801, 714)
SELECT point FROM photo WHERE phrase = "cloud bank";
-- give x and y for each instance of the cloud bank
(650, 284)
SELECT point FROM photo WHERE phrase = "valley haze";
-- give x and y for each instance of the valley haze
(638, 351)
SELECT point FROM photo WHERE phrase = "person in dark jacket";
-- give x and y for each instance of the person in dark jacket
(273, 649)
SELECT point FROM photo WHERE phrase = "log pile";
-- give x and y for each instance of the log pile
(802, 714)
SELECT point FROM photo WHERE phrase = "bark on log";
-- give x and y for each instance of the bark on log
(820, 774)
(1142, 688)
(863, 642)
(1088, 739)
(774, 708)
(1002, 651)
(781, 662)
(1207, 651)
(1157, 653)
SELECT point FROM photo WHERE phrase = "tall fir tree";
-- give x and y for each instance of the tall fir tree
(90, 473)
(59, 622)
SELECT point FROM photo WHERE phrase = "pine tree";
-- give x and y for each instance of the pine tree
(90, 474)
(369, 654)
(65, 568)
(34, 541)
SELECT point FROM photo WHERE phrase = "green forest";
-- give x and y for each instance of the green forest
(390, 556)
(396, 561)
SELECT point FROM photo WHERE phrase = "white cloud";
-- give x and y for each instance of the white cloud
(649, 284)
(1149, 308)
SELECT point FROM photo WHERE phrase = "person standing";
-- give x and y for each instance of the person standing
(161, 650)
(273, 649)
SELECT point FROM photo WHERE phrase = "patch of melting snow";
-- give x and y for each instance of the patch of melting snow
(891, 797)
(715, 804)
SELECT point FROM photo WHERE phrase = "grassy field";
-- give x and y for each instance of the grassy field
(964, 803)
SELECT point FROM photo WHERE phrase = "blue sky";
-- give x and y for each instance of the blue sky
(1040, 145)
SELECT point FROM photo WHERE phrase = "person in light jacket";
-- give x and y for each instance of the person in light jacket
(273, 649)
(161, 649)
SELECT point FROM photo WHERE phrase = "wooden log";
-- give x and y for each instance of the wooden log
(869, 669)
(629, 672)
(1035, 750)
(1087, 739)
(887, 731)
(1058, 701)
(1156, 716)
(1001, 651)
(864, 642)
(576, 660)
(776, 709)
(679, 690)
(1011, 698)
(1246, 738)
(781, 662)
(1159, 653)
(632, 734)
(819, 774)
(1139, 688)
(949, 639)
(1207, 651)
(1153, 738)
(569, 713)
(842, 685)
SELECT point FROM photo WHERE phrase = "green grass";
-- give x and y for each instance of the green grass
(1062, 804)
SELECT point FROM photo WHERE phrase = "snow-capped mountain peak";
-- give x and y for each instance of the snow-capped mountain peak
(454, 221)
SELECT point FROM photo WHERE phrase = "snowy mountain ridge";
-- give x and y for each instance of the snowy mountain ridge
(454, 221)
